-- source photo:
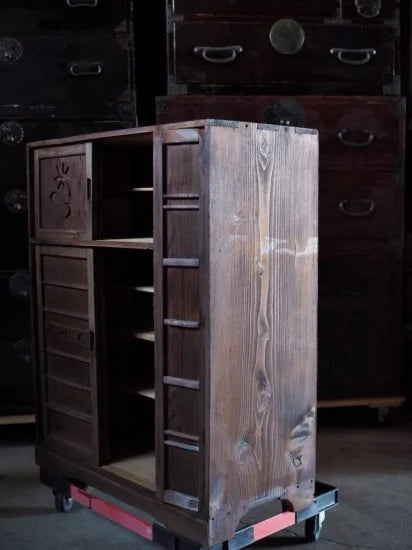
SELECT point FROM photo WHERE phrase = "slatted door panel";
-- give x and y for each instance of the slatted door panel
(66, 326)
(179, 331)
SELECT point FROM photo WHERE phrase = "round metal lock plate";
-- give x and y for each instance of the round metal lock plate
(286, 36)
(11, 133)
(11, 50)
(15, 201)
(286, 112)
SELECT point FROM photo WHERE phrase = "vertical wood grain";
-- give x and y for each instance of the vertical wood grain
(263, 319)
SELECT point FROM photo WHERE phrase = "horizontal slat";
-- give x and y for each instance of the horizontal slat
(181, 262)
(68, 383)
(69, 412)
(182, 135)
(66, 314)
(182, 435)
(181, 323)
(181, 196)
(67, 355)
(181, 382)
(184, 446)
(142, 189)
(181, 207)
(182, 500)
(66, 285)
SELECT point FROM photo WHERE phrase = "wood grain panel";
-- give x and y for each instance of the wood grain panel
(263, 310)
(68, 369)
(182, 472)
(183, 168)
(70, 430)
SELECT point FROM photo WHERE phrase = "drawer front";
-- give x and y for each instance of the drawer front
(362, 132)
(87, 75)
(360, 338)
(63, 192)
(360, 205)
(369, 10)
(308, 57)
(258, 7)
(51, 15)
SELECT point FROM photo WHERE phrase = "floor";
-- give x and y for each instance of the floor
(370, 463)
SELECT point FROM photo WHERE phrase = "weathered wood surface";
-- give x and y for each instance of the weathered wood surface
(263, 320)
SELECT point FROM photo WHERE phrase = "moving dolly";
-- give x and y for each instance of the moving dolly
(326, 497)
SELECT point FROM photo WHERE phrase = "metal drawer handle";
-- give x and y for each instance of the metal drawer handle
(368, 8)
(365, 55)
(344, 135)
(86, 68)
(205, 52)
(82, 3)
(369, 208)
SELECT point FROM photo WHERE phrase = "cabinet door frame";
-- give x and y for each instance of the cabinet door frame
(88, 255)
(65, 151)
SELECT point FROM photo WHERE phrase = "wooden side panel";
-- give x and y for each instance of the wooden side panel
(263, 319)
(66, 332)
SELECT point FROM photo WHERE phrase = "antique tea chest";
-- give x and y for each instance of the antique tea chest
(174, 273)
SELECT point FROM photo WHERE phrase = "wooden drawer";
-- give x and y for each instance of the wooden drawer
(315, 59)
(87, 76)
(49, 15)
(369, 10)
(360, 205)
(360, 316)
(353, 131)
(319, 8)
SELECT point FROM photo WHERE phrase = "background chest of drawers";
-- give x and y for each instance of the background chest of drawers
(361, 227)
(67, 68)
(329, 47)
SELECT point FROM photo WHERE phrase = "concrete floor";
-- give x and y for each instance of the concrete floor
(372, 466)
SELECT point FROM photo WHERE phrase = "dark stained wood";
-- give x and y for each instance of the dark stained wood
(170, 377)
(262, 440)
(253, 64)
(366, 132)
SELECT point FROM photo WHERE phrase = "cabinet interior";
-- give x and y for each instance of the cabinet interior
(128, 320)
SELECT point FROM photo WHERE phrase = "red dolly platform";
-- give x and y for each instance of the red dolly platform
(326, 497)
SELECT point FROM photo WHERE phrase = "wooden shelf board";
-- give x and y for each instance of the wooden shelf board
(142, 189)
(377, 402)
(147, 392)
(148, 335)
(139, 469)
(148, 289)
(144, 242)
(17, 419)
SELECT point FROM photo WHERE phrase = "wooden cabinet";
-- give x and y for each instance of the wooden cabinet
(175, 308)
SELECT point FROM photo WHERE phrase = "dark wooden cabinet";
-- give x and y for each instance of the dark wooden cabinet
(216, 52)
(361, 225)
(146, 350)
(69, 68)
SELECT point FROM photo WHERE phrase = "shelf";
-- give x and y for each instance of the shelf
(147, 392)
(142, 190)
(148, 335)
(143, 243)
(138, 469)
(148, 289)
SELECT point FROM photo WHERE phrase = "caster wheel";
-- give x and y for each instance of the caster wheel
(313, 527)
(63, 503)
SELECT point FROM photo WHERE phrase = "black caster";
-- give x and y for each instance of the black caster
(313, 527)
(63, 503)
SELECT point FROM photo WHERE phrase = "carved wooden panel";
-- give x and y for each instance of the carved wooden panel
(63, 192)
